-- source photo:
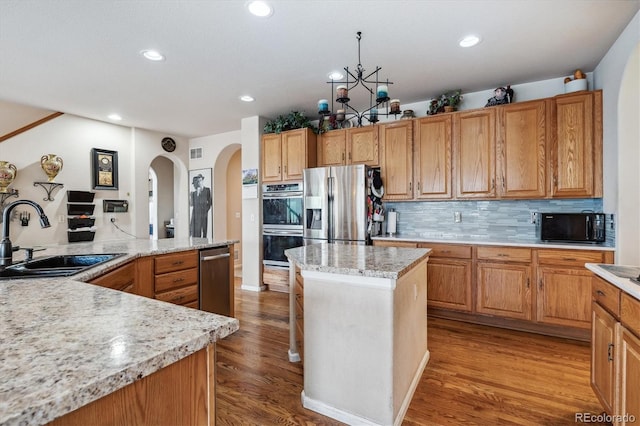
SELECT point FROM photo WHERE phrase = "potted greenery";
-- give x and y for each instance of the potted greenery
(447, 102)
(291, 121)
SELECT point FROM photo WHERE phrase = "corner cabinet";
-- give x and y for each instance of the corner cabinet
(576, 145)
(287, 154)
(474, 142)
(396, 159)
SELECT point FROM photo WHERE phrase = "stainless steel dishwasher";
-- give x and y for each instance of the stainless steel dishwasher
(216, 287)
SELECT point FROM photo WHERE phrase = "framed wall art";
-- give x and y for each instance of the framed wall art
(104, 168)
(200, 204)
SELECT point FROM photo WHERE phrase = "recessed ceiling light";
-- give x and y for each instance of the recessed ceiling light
(260, 8)
(153, 55)
(470, 40)
(336, 75)
(115, 117)
(247, 98)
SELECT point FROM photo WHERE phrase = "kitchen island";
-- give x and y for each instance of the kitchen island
(77, 353)
(364, 322)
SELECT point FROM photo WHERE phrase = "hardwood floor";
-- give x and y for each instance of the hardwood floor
(477, 375)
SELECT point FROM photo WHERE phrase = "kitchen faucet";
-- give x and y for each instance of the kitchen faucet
(6, 251)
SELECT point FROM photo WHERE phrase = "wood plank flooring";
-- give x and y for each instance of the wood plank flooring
(477, 375)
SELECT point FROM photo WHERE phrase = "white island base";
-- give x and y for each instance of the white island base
(365, 344)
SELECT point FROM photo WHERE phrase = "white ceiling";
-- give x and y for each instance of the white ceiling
(82, 56)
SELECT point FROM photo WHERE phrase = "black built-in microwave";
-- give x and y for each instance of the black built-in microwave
(576, 227)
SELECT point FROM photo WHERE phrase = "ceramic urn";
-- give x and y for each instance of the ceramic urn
(8, 173)
(51, 164)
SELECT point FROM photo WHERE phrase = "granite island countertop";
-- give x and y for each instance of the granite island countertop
(66, 343)
(441, 237)
(359, 260)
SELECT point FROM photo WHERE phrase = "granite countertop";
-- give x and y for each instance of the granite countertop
(438, 237)
(360, 260)
(66, 343)
(618, 275)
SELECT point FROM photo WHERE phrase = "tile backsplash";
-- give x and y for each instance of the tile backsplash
(508, 219)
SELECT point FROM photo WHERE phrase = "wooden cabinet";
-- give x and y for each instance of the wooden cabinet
(503, 280)
(176, 278)
(449, 283)
(432, 152)
(349, 146)
(603, 342)
(396, 159)
(122, 278)
(475, 153)
(615, 351)
(576, 148)
(564, 286)
(521, 150)
(286, 155)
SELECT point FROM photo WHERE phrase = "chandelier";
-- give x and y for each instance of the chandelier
(378, 93)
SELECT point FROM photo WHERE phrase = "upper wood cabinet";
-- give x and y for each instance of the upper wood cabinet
(576, 145)
(286, 155)
(474, 142)
(432, 153)
(396, 142)
(521, 150)
(349, 146)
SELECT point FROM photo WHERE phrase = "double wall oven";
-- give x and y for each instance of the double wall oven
(282, 211)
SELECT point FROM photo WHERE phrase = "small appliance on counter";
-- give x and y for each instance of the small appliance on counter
(573, 227)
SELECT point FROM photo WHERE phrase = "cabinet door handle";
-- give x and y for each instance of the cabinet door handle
(493, 184)
(528, 283)
(502, 255)
(600, 293)
(418, 187)
(610, 352)
(409, 186)
(540, 283)
(178, 280)
(502, 183)
(285, 169)
(570, 259)
(349, 156)
(343, 156)
(179, 262)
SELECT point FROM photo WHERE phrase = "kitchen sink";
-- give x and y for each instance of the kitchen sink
(56, 266)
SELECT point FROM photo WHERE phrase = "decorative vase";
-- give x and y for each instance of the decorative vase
(407, 114)
(8, 173)
(51, 164)
(449, 108)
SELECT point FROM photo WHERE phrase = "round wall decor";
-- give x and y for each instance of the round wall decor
(168, 144)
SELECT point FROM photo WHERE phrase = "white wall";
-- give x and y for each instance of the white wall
(617, 76)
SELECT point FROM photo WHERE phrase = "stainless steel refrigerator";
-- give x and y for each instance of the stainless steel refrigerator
(335, 205)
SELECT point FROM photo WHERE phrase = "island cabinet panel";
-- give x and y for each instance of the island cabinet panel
(603, 350)
(299, 312)
(574, 150)
(432, 149)
(396, 141)
(629, 375)
(176, 278)
(182, 393)
(122, 278)
(521, 150)
(474, 145)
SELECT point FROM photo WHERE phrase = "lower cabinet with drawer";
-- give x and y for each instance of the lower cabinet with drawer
(545, 291)
(176, 278)
(615, 351)
(122, 278)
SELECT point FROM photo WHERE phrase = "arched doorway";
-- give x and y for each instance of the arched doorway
(161, 197)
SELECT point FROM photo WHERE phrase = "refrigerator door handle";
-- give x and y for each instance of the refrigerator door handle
(331, 229)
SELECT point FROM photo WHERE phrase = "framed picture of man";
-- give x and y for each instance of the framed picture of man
(200, 204)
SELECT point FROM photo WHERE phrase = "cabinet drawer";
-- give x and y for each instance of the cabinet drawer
(175, 280)
(408, 244)
(182, 296)
(122, 279)
(630, 313)
(176, 262)
(607, 295)
(570, 257)
(504, 254)
(447, 250)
